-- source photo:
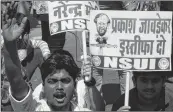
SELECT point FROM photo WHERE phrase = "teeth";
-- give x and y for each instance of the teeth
(60, 99)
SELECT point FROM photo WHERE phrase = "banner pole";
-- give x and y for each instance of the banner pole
(126, 102)
(84, 50)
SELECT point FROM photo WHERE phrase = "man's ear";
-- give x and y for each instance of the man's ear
(134, 80)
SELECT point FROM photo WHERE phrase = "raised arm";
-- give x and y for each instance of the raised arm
(11, 31)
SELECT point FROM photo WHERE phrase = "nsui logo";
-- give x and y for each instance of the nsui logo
(96, 61)
(163, 63)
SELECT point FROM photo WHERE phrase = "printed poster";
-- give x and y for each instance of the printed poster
(131, 40)
(69, 15)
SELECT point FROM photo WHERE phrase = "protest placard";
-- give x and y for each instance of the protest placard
(69, 15)
(41, 7)
(131, 40)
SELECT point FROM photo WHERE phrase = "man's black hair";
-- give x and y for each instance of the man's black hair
(60, 59)
(100, 14)
(159, 73)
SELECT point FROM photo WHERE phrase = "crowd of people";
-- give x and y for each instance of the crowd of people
(63, 86)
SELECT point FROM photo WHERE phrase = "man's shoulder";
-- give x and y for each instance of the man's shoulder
(120, 101)
(168, 99)
(26, 104)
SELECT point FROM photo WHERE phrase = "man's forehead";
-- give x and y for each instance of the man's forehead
(62, 73)
(102, 18)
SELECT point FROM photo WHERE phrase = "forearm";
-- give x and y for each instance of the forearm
(98, 76)
(96, 100)
(19, 87)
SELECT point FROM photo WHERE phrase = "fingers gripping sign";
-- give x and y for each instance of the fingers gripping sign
(86, 71)
(85, 61)
(124, 108)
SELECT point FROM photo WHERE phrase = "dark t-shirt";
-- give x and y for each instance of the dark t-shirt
(165, 102)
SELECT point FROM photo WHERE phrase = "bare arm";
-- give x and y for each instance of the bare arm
(11, 31)
(19, 87)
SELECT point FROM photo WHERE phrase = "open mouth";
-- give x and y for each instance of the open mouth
(101, 30)
(60, 97)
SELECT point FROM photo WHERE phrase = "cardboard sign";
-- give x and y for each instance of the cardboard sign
(131, 40)
(69, 15)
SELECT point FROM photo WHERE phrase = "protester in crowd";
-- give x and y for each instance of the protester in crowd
(149, 94)
(69, 40)
(31, 52)
(136, 6)
(25, 42)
